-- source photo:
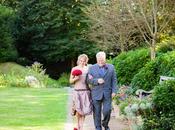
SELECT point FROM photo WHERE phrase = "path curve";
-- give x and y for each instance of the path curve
(114, 124)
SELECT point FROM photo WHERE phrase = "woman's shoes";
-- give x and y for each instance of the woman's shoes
(75, 129)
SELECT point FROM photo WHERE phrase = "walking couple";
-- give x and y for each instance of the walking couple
(97, 96)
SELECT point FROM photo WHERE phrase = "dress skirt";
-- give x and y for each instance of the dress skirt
(82, 101)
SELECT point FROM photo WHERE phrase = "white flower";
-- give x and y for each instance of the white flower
(148, 105)
(142, 106)
(32, 81)
(127, 109)
(135, 107)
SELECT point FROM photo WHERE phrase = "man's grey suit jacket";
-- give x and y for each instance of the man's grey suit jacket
(109, 86)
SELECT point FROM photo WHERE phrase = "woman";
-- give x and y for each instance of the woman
(81, 95)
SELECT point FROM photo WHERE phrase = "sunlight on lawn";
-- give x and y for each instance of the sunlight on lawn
(33, 109)
(58, 126)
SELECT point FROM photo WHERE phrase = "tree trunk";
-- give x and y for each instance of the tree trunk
(121, 43)
(153, 49)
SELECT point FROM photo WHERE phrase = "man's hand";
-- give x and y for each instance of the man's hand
(113, 95)
(101, 81)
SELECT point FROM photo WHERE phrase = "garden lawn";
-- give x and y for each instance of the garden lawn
(33, 109)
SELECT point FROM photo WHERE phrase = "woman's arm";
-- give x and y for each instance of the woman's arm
(72, 78)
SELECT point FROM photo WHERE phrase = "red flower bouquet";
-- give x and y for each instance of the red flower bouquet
(76, 72)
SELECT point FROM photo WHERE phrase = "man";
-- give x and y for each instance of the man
(102, 81)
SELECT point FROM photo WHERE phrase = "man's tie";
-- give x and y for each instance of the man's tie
(102, 71)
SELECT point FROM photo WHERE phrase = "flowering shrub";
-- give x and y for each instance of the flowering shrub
(3, 81)
(37, 67)
(37, 76)
(122, 94)
(139, 107)
(14, 75)
(15, 81)
(133, 107)
(135, 110)
(32, 81)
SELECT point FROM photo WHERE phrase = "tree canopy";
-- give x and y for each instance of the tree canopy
(8, 51)
(50, 30)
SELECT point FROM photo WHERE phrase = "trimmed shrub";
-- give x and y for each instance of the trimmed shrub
(149, 75)
(163, 114)
(161, 97)
(128, 64)
(63, 81)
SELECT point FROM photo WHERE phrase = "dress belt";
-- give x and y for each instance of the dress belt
(82, 89)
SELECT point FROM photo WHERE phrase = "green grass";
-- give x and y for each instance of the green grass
(32, 109)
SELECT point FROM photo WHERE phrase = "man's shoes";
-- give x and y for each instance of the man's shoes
(99, 128)
(107, 128)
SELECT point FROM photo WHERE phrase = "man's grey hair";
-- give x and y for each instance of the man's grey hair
(101, 54)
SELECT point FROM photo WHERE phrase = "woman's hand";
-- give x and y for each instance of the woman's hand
(76, 78)
(73, 79)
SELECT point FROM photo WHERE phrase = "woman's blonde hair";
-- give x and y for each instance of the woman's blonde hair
(84, 56)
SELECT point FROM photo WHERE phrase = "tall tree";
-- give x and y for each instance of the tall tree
(51, 30)
(151, 17)
(8, 51)
(122, 24)
(112, 27)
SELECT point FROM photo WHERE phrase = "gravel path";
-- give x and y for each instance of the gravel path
(114, 124)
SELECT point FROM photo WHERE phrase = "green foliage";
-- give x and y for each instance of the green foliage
(3, 81)
(122, 107)
(123, 93)
(161, 97)
(163, 114)
(11, 3)
(13, 80)
(37, 67)
(14, 75)
(11, 67)
(51, 31)
(166, 45)
(149, 75)
(8, 51)
(64, 80)
(23, 61)
(52, 83)
(38, 71)
(110, 60)
(128, 64)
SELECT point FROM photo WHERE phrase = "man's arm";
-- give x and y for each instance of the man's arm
(91, 80)
(114, 81)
